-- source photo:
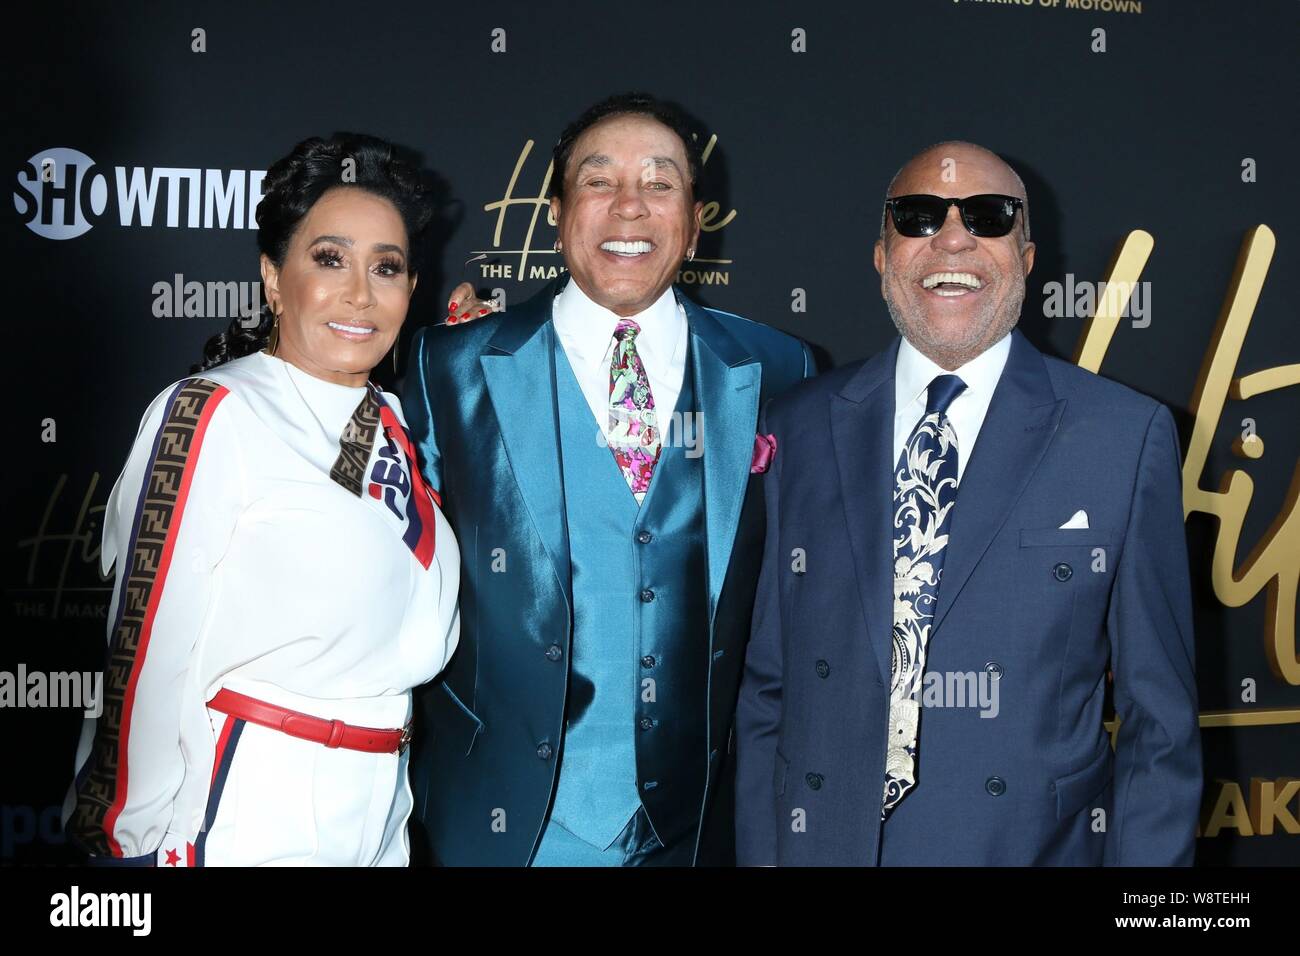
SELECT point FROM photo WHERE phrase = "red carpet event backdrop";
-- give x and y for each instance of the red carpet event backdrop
(1157, 140)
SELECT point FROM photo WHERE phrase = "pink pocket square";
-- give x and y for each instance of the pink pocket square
(764, 452)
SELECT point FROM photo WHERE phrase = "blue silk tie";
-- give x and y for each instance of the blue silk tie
(925, 490)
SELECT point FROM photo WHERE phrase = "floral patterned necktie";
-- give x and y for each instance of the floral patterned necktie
(633, 428)
(925, 490)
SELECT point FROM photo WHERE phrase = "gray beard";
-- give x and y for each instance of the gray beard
(989, 327)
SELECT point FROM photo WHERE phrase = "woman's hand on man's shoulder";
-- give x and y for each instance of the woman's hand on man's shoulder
(464, 305)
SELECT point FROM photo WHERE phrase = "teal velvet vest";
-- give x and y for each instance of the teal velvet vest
(639, 576)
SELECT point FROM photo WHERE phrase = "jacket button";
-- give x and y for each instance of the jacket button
(823, 669)
(647, 596)
(646, 723)
(648, 661)
(553, 653)
(645, 537)
(815, 780)
(544, 750)
(995, 786)
(994, 670)
(1062, 572)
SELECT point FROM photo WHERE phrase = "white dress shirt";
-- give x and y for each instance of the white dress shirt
(913, 374)
(586, 331)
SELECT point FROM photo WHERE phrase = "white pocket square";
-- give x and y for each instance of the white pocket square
(1077, 520)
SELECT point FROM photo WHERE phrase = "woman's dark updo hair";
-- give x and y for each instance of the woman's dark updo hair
(293, 185)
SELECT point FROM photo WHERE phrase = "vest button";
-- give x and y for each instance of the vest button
(648, 661)
(553, 653)
(647, 596)
(645, 537)
(995, 786)
(815, 780)
(544, 750)
(1062, 572)
(646, 723)
(823, 669)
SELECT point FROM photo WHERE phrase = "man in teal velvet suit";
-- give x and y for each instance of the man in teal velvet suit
(597, 455)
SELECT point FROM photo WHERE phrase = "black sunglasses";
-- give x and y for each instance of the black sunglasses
(988, 215)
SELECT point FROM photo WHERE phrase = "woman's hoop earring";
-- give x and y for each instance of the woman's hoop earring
(690, 255)
(558, 246)
(273, 340)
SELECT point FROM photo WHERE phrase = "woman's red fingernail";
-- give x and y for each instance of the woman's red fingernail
(451, 320)
(451, 306)
(465, 316)
(483, 311)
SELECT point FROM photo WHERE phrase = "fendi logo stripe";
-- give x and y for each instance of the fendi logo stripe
(142, 574)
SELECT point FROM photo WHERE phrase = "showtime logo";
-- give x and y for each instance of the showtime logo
(62, 193)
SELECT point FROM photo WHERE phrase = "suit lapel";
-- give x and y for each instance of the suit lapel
(862, 433)
(727, 385)
(518, 367)
(1021, 422)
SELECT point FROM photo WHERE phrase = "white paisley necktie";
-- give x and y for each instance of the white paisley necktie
(925, 490)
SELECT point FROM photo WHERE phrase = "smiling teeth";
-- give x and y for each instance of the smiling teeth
(359, 329)
(953, 278)
(627, 248)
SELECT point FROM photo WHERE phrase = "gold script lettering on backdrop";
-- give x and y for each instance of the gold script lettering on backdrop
(81, 541)
(1274, 562)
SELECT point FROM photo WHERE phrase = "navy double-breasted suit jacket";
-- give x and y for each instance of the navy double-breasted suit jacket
(1045, 612)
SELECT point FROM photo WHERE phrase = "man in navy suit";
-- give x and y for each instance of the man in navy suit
(595, 451)
(965, 539)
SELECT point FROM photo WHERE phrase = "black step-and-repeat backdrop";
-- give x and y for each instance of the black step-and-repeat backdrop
(1157, 140)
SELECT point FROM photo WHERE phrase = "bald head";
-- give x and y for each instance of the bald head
(951, 293)
(953, 162)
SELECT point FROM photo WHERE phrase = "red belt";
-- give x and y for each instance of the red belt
(331, 733)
